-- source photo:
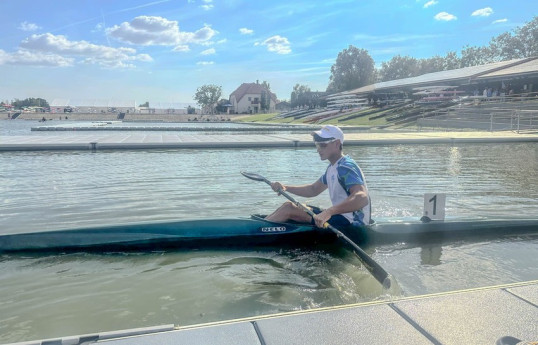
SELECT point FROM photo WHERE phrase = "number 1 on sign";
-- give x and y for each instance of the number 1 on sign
(434, 200)
(434, 206)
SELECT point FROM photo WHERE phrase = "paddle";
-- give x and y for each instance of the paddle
(373, 267)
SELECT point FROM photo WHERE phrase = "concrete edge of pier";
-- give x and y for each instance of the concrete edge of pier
(484, 315)
(149, 141)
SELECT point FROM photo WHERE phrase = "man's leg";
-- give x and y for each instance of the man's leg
(288, 211)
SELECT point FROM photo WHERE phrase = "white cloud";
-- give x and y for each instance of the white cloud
(444, 16)
(99, 27)
(504, 20)
(483, 12)
(144, 57)
(181, 48)
(148, 31)
(59, 51)
(277, 44)
(29, 58)
(245, 31)
(208, 5)
(204, 63)
(430, 3)
(25, 26)
(209, 51)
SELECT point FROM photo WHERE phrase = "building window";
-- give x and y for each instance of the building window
(249, 98)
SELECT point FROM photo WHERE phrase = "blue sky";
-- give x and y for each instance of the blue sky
(162, 50)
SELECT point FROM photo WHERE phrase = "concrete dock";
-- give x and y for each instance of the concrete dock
(98, 140)
(497, 315)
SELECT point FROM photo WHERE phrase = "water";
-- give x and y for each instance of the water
(51, 295)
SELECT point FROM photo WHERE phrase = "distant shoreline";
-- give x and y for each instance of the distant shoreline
(128, 117)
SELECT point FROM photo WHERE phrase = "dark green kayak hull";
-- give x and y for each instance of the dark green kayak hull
(186, 233)
(406, 230)
(255, 231)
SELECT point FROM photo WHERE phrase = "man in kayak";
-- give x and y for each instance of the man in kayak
(343, 177)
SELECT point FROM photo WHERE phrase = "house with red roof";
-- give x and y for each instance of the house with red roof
(248, 98)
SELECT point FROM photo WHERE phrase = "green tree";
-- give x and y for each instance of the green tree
(353, 68)
(298, 95)
(265, 100)
(144, 105)
(452, 61)
(207, 96)
(266, 85)
(221, 105)
(522, 43)
(30, 102)
(399, 67)
(474, 56)
(430, 65)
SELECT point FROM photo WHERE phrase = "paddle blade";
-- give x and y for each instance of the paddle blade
(253, 176)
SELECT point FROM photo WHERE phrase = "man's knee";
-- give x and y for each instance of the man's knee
(289, 204)
(290, 209)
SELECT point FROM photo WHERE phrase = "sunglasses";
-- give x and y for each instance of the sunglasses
(322, 145)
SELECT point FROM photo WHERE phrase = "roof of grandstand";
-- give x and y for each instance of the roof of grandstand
(462, 76)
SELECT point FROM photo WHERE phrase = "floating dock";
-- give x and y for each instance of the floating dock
(98, 140)
(498, 315)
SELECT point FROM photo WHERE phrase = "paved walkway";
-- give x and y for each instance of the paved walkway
(476, 316)
(169, 140)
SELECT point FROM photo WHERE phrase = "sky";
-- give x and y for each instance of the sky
(163, 50)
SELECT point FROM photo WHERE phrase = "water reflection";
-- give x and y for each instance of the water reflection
(431, 254)
(454, 165)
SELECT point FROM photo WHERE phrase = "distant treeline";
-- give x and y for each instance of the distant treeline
(355, 67)
(521, 43)
(28, 102)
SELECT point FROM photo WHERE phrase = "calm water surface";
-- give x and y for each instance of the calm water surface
(50, 295)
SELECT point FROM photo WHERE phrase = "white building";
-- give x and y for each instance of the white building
(247, 98)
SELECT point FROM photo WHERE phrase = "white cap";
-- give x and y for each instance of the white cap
(327, 133)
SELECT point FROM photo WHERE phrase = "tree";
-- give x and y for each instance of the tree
(221, 105)
(207, 96)
(144, 105)
(474, 56)
(452, 61)
(298, 98)
(266, 85)
(521, 44)
(527, 37)
(353, 68)
(399, 67)
(265, 100)
(30, 102)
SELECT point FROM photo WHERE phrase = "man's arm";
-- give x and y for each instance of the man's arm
(357, 199)
(307, 191)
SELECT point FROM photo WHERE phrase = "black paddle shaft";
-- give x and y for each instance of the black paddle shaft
(371, 265)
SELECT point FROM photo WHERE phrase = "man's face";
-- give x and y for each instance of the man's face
(327, 148)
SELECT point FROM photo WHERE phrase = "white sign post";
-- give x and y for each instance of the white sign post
(434, 206)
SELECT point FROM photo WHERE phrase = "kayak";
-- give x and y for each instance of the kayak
(255, 230)
(410, 230)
